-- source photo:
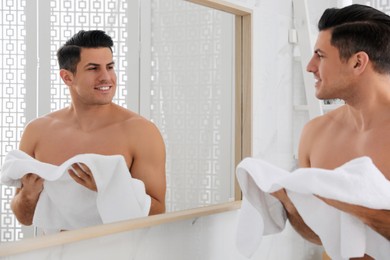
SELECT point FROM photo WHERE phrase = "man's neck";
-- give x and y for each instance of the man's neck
(90, 118)
(371, 109)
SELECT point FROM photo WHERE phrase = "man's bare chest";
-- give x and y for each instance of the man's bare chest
(59, 147)
(332, 152)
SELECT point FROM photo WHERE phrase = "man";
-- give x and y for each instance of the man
(351, 61)
(92, 123)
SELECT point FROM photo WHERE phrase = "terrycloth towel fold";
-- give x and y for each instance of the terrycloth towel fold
(66, 205)
(343, 236)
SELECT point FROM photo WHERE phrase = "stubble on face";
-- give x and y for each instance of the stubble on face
(331, 72)
(95, 78)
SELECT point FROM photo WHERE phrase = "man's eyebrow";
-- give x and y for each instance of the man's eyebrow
(97, 65)
(92, 64)
(316, 51)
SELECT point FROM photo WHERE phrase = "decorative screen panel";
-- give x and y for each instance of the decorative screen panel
(382, 5)
(192, 100)
(70, 16)
(12, 100)
(66, 18)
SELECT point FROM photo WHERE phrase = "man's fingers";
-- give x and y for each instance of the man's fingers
(82, 175)
(81, 169)
(84, 168)
(31, 177)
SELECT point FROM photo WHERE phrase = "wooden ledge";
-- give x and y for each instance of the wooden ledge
(72, 236)
(224, 6)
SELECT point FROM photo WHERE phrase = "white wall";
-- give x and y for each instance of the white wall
(276, 78)
(272, 82)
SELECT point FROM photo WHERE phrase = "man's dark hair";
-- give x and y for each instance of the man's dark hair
(69, 54)
(357, 28)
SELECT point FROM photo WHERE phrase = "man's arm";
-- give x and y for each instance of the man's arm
(295, 219)
(25, 200)
(292, 213)
(149, 165)
(378, 220)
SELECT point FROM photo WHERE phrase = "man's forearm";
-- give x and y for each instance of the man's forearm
(300, 226)
(23, 207)
(378, 220)
(297, 222)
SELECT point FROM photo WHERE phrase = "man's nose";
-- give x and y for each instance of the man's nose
(311, 67)
(104, 74)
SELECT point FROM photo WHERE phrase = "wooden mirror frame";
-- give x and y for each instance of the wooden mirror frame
(243, 148)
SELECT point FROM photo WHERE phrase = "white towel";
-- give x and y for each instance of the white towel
(65, 205)
(343, 236)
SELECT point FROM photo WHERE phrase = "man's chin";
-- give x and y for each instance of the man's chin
(321, 96)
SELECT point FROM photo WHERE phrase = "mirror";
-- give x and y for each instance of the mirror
(46, 27)
(191, 99)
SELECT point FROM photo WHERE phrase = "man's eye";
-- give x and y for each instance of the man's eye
(92, 68)
(319, 55)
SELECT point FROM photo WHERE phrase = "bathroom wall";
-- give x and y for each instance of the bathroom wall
(277, 87)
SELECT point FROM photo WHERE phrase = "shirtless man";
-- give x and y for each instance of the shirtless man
(351, 61)
(91, 124)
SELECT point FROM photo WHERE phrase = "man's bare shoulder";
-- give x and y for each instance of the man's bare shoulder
(43, 122)
(133, 124)
(319, 132)
(143, 136)
(329, 119)
(34, 131)
(139, 123)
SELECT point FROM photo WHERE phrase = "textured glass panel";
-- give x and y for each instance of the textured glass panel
(70, 16)
(12, 101)
(383, 5)
(192, 100)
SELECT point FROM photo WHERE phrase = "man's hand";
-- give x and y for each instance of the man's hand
(295, 218)
(281, 195)
(83, 176)
(32, 184)
(26, 198)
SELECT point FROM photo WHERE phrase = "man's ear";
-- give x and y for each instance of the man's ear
(360, 61)
(66, 76)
